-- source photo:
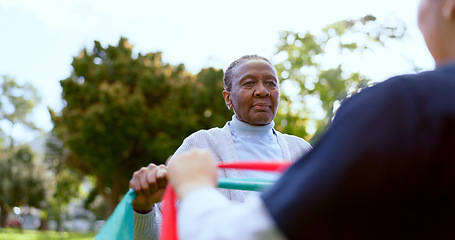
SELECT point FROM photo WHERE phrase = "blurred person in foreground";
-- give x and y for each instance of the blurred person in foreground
(252, 92)
(384, 170)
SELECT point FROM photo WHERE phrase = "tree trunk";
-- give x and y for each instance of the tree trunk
(59, 225)
(21, 229)
(3, 215)
(60, 219)
(109, 206)
(113, 196)
(44, 225)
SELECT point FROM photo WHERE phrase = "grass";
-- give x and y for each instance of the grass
(15, 234)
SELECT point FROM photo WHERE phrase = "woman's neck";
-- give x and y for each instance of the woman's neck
(245, 129)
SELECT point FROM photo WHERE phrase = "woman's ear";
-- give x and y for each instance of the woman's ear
(227, 99)
(448, 9)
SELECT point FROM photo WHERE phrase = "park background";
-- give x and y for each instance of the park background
(93, 90)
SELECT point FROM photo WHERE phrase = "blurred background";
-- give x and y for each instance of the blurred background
(91, 91)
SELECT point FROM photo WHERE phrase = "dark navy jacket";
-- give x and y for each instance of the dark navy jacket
(385, 169)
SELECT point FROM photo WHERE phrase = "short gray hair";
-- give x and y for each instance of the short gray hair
(228, 74)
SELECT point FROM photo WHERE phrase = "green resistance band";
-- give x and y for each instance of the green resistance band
(249, 184)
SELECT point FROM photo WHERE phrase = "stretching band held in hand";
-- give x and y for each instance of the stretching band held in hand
(169, 211)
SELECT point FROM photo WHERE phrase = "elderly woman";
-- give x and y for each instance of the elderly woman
(252, 92)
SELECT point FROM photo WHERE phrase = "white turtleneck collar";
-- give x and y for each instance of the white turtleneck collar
(245, 130)
(253, 143)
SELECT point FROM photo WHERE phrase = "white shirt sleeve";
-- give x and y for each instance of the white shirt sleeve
(206, 214)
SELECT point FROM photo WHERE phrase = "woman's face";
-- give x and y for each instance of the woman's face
(254, 92)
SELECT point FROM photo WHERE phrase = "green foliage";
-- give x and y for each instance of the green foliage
(22, 179)
(124, 112)
(67, 181)
(317, 89)
(16, 103)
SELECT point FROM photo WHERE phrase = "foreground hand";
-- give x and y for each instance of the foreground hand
(149, 184)
(192, 170)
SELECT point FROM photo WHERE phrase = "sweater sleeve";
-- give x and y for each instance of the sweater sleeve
(147, 226)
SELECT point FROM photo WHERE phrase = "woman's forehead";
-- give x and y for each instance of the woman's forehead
(252, 65)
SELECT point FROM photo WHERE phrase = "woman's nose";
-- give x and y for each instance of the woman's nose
(261, 91)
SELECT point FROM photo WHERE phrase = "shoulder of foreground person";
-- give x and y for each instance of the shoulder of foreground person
(373, 158)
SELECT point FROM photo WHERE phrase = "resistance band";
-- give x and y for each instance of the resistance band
(169, 211)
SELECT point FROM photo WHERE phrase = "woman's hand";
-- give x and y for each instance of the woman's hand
(149, 184)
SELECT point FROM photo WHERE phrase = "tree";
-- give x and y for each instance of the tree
(16, 103)
(313, 83)
(65, 185)
(22, 181)
(124, 112)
